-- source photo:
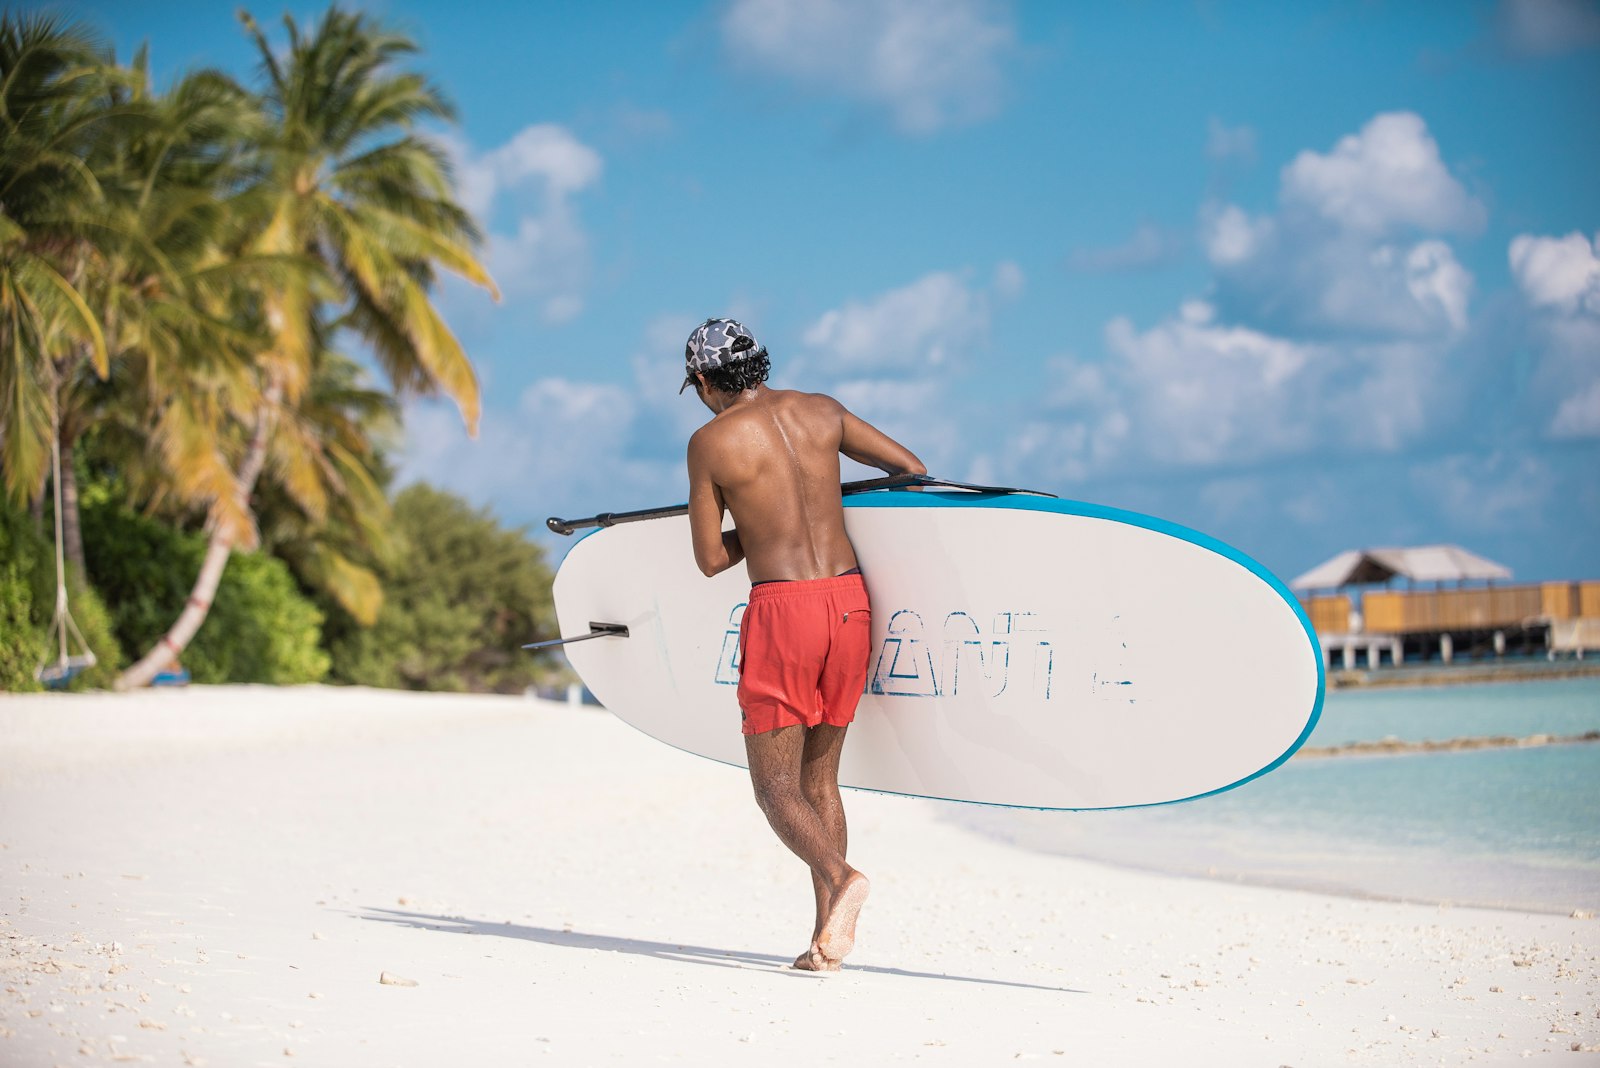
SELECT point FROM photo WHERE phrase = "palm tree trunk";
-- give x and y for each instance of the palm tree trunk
(166, 651)
(36, 506)
(71, 526)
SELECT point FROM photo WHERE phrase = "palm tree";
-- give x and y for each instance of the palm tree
(54, 78)
(167, 287)
(329, 449)
(348, 184)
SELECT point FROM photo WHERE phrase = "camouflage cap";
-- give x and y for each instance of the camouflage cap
(716, 343)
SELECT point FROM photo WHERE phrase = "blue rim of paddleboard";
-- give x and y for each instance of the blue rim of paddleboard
(1063, 506)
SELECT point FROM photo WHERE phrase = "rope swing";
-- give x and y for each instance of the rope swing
(66, 667)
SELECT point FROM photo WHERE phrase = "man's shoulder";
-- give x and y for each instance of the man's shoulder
(815, 401)
(705, 436)
(713, 431)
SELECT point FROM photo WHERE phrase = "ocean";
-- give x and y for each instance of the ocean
(1503, 828)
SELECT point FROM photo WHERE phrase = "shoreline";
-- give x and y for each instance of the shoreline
(225, 876)
(1324, 889)
(1392, 746)
(1461, 674)
(1309, 885)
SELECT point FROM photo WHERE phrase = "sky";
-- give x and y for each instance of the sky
(1306, 277)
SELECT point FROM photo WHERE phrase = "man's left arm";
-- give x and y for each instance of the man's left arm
(715, 550)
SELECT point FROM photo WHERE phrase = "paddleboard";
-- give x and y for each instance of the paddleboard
(1027, 651)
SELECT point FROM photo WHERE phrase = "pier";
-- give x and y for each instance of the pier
(1364, 624)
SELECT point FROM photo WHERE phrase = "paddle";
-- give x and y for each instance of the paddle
(887, 482)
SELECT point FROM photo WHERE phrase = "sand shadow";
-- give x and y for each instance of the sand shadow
(673, 951)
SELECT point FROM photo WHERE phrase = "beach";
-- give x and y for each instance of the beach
(227, 875)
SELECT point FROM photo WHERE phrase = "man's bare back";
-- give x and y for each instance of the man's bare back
(771, 457)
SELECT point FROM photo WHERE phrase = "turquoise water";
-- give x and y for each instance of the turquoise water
(1554, 706)
(1512, 828)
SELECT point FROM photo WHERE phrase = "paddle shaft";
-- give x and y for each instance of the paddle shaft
(887, 482)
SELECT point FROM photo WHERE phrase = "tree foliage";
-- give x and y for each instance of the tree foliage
(22, 638)
(27, 606)
(463, 594)
(261, 627)
(178, 272)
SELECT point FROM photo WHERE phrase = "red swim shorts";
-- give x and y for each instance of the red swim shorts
(803, 649)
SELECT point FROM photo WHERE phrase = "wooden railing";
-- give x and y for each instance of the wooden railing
(1412, 611)
(1328, 614)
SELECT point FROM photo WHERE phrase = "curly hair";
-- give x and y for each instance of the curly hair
(740, 375)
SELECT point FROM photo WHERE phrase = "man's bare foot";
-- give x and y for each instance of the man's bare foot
(812, 960)
(838, 935)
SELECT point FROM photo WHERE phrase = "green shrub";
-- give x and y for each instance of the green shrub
(22, 643)
(260, 627)
(94, 621)
(27, 608)
(461, 597)
(22, 640)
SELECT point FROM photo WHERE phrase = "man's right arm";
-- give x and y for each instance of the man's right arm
(715, 550)
(866, 444)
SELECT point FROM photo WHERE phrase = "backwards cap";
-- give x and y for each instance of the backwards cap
(717, 343)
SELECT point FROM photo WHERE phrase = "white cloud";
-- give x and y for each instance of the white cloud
(914, 412)
(1149, 246)
(1192, 391)
(567, 445)
(1558, 272)
(1201, 393)
(1578, 416)
(1329, 326)
(1559, 278)
(1226, 499)
(1009, 281)
(543, 153)
(639, 124)
(669, 333)
(546, 258)
(541, 454)
(930, 323)
(534, 177)
(1479, 493)
(1296, 282)
(1437, 281)
(1336, 258)
(1230, 235)
(929, 63)
(1417, 291)
(602, 409)
(1389, 175)
(881, 398)
(1225, 142)
(1547, 27)
(893, 358)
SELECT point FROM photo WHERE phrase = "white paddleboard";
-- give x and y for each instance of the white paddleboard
(1027, 651)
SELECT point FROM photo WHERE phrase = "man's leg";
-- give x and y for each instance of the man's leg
(819, 782)
(777, 760)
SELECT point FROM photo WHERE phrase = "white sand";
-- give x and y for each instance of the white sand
(220, 876)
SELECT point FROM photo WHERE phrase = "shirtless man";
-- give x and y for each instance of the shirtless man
(771, 457)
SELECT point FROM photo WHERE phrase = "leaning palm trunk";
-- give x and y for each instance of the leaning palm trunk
(223, 537)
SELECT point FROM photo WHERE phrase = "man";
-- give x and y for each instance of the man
(771, 458)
